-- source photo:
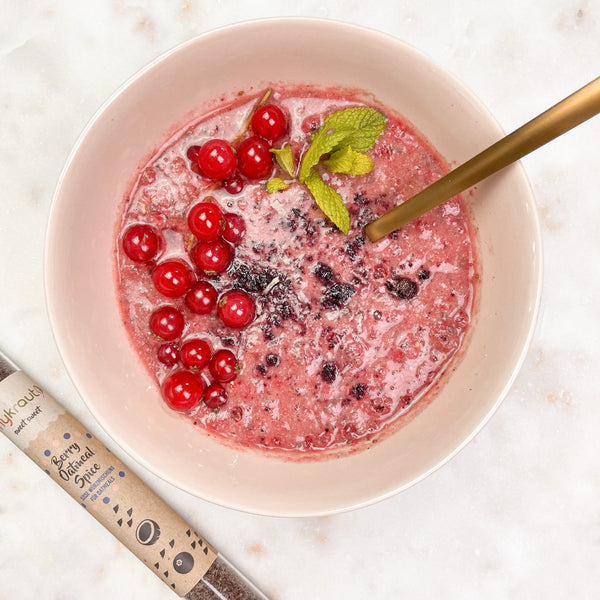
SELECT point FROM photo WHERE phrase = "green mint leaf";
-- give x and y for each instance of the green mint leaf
(328, 200)
(349, 162)
(365, 124)
(285, 159)
(324, 141)
(276, 184)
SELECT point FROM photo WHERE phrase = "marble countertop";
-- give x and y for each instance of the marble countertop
(517, 513)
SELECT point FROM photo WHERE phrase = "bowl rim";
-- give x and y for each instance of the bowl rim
(52, 309)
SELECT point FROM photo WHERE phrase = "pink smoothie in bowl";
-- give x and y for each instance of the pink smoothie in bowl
(296, 337)
(345, 371)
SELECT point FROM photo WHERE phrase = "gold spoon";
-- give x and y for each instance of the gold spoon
(570, 112)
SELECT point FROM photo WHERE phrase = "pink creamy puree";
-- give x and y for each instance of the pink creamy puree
(321, 296)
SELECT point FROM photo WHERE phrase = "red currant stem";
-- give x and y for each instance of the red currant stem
(191, 243)
(246, 123)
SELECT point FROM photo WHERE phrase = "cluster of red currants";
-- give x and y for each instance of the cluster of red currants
(217, 235)
(217, 160)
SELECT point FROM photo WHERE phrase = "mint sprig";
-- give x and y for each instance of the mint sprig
(285, 159)
(339, 145)
(276, 184)
(329, 201)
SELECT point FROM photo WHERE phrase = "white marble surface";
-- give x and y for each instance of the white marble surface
(517, 513)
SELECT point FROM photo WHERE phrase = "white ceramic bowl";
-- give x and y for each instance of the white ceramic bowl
(84, 309)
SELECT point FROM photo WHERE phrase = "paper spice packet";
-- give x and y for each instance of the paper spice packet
(110, 492)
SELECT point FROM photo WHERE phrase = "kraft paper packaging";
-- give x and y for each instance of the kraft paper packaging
(102, 484)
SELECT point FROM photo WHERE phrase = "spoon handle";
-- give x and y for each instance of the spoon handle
(570, 112)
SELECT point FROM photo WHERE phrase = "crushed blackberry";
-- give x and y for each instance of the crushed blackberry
(402, 287)
(350, 249)
(329, 371)
(323, 272)
(337, 295)
(310, 230)
(285, 310)
(253, 280)
(423, 274)
(272, 360)
(262, 369)
(228, 341)
(359, 198)
(298, 213)
(268, 333)
(359, 390)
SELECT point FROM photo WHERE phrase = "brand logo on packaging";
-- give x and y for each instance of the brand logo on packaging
(9, 415)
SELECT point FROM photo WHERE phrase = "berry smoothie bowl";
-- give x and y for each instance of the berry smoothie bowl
(230, 325)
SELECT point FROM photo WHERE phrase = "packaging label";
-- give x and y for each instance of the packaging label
(102, 484)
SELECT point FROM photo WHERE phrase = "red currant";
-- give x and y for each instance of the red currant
(224, 366)
(166, 322)
(205, 221)
(141, 243)
(254, 158)
(269, 122)
(216, 160)
(195, 354)
(235, 228)
(215, 396)
(236, 308)
(192, 153)
(168, 354)
(173, 278)
(182, 390)
(202, 298)
(212, 257)
(234, 185)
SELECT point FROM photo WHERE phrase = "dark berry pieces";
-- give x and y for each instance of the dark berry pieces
(255, 160)
(205, 221)
(323, 272)
(423, 274)
(224, 366)
(234, 185)
(215, 396)
(359, 390)
(168, 354)
(195, 354)
(234, 229)
(182, 390)
(192, 153)
(202, 298)
(141, 242)
(272, 360)
(212, 257)
(269, 122)
(236, 308)
(216, 160)
(173, 278)
(402, 287)
(329, 371)
(337, 295)
(262, 369)
(252, 280)
(166, 322)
